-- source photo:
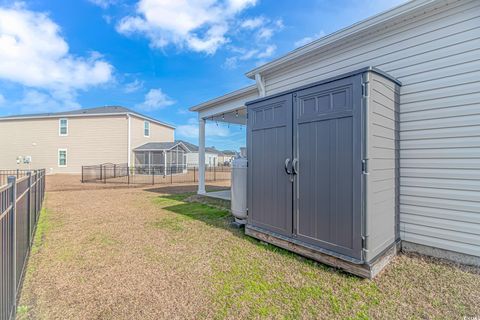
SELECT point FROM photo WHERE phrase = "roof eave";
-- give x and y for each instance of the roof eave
(151, 119)
(227, 97)
(60, 116)
(378, 20)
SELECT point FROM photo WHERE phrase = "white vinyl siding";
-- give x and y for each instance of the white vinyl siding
(436, 56)
(146, 129)
(63, 127)
(62, 157)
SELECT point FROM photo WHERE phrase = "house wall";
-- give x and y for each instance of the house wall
(436, 55)
(210, 159)
(90, 140)
(158, 133)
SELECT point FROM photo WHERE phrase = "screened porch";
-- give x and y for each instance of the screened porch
(160, 158)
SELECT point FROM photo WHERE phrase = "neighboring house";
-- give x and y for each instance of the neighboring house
(64, 141)
(432, 48)
(226, 157)
(211, 155)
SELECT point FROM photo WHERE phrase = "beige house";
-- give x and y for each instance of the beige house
(63, 142)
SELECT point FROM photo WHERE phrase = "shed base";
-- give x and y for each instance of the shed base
(366, 270)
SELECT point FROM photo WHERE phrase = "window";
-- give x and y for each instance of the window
(62, 157)
(63, 127)
(146, 129)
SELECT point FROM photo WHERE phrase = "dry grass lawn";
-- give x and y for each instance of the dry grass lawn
(130, 253)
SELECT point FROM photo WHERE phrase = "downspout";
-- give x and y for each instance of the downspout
(129, 143)
(366, 160)
(260, 85)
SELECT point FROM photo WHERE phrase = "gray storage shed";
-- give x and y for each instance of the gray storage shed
(323, 170)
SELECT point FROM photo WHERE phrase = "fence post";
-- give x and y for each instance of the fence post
(35, 194)
(171, 176)
(153, 176)
(214, 174)
(114, 170)
(128, 175)
(29, 206)
(18, 173)
(104, 174)
(82, 174)
(193, 173)
(13, 200)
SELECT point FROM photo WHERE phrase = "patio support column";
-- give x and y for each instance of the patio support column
(201, 156)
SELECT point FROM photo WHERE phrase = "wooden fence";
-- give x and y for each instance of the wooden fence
(21, 200)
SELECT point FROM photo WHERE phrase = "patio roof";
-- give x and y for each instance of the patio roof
(229, 107)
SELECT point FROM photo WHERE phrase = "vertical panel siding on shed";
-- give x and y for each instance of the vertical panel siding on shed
(383, 150)
(437, 57)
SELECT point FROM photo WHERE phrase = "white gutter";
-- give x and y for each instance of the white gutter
(260, 85)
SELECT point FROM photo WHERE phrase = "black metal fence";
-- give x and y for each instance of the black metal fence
(20, 204)
(159, 174)
(18, 173)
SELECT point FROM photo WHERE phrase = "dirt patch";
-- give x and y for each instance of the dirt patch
(148, 253)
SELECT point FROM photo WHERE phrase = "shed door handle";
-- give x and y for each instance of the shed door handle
(295, 166)
(287, 162)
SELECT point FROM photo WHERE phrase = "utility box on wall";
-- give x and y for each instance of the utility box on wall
(323, 170)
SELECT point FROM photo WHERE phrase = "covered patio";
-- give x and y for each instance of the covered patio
(230, 109)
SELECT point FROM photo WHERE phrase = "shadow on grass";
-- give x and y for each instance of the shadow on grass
(221, 218)
(182, 189)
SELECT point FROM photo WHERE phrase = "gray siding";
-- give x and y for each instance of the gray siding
(384, 176)
(436, 55)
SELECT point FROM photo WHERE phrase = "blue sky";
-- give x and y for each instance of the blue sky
(158, 57)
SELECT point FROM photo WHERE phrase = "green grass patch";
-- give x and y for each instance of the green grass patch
(44, 225)
(22, 312)
(187, 211)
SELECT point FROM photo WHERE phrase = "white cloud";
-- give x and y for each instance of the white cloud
(253, 23)
(155, 99)
(268, 52)
(35, 101)
(244, 55)
(133, 86)
(190, 130)
(307, 40)
(34, 54)
(200, 26)
(265, 33)
(260, 31)
(2, 99)
(104, 3)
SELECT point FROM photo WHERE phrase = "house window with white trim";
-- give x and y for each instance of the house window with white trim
(146, 128)
(63, 127)
(62, 157)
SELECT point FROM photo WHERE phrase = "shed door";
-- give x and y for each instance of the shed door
(270, 188)
(327, 128)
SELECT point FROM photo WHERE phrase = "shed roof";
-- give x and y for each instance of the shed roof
(96, 111)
